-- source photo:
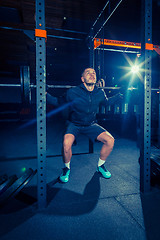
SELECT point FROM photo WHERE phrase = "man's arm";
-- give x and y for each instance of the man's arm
(52, 100)
(60, 103)
(112, 100)
(116, 98)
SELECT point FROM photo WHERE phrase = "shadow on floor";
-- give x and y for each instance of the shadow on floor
(60, 202)
(14, 213)
(71, 203)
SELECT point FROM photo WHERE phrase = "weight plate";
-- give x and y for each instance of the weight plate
(27, 89)
(22, 84)
(17, 185)
(3, 178)
(7, 183)
(25, 85)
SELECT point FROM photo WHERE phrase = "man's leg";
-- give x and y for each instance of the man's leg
(96, 131)
(67, 147)
(108, 143)
(67, 154)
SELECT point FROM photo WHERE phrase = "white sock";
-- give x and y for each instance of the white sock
(67, 165)
(100, 162)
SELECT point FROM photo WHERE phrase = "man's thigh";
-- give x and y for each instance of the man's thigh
(72, 129)
(94, 131)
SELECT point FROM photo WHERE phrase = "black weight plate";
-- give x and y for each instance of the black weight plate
(3, 178)
(25, 85)
(17, 185)
(22, 84)
(24, 183)
(7, 183)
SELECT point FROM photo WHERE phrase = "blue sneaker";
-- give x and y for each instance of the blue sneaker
(64, 177)
(104, 172)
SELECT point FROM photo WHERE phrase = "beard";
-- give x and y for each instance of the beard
(90, 83)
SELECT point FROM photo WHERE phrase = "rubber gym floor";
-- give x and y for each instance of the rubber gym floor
(88, 206)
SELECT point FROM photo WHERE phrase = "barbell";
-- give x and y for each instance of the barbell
(26, 87)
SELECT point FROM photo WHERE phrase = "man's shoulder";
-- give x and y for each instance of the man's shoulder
(74, 92)
(75, 89)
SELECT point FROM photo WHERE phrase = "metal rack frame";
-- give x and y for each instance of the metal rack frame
(146, 55)
(40, 34)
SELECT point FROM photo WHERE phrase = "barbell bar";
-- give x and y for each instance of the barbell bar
(26, 86)
(70, 86)
(26, 89)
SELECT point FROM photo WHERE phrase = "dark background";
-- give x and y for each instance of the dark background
(68, 24)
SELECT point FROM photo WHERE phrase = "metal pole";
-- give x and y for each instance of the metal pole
(41, 103)
(146, 100)
(91, 49)
(91, 39)
(69, 86)
(116, 50)
(100, 14)
(108, 18)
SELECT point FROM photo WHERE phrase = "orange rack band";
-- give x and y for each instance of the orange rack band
(40, 33)
(149, 46)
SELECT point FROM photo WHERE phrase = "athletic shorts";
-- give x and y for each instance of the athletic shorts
(92, 131)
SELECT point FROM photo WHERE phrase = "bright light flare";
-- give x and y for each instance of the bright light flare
(135, 69)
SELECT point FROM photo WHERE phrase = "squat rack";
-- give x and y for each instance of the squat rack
(41, 35)
(146, 47)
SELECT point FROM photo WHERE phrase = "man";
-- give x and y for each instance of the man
(85, 100)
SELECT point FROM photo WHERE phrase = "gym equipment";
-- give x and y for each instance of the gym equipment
(155, 168)
(26, 87)
(17, 185)
(3, 178)
(9, 181)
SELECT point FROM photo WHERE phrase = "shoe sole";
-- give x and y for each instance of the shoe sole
(103, 175)
(63, 181)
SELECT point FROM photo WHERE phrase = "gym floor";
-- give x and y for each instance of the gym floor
(88, 206)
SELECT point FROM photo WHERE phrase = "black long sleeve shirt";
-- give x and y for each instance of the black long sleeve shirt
(84, 104)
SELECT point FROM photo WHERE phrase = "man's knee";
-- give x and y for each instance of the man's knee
(110, 142)
(68, 142)
(106, 139)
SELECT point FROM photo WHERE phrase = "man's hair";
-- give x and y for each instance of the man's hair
(84, 70)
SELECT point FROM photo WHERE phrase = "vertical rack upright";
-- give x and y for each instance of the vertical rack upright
(146, 100)
(40, 34)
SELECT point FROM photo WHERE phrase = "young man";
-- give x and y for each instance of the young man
(85, 100)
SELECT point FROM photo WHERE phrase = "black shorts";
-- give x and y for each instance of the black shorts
(92, 131)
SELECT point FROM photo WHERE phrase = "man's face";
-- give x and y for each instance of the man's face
(89, 76)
